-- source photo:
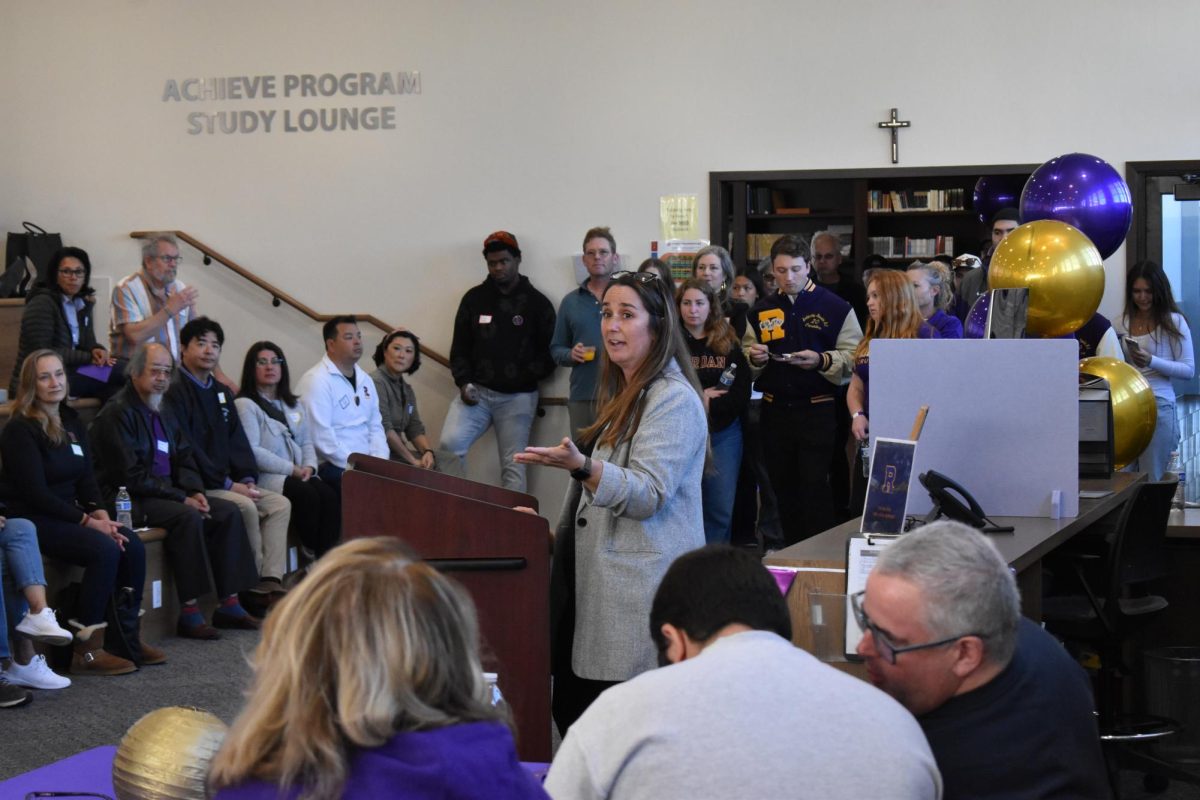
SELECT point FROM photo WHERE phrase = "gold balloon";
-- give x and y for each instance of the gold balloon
(1135, 412)
(166, 754)
(1062, 270)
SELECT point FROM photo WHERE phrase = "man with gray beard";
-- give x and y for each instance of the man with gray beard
(137, 444)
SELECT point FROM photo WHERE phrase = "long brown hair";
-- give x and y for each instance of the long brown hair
(1162, 301)
(718, 333)
(901, 317)
(619, 401)
(371, 644)
(25, 404)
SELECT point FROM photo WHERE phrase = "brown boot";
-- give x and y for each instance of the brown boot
(90, 657)
(152, 655)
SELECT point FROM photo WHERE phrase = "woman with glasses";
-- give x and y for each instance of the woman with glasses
(1159, 343)
(368, 684)
(59, 316)
(397, 355)
(634, 504)
(277, 429)
(725, 379)
(893, 313)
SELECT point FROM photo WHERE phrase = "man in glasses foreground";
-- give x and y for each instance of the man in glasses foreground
(1006, 711)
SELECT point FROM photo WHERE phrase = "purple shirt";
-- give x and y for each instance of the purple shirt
(162, 445)
(947, 327)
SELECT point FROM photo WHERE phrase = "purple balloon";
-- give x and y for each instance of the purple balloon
(994, 192)
(1082, 191)
(975, 325)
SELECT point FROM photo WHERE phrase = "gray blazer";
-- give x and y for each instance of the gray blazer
(276, 450)
(645, 512)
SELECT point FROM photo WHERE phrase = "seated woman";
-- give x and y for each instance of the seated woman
(24, 583)
(893, 313)
(47, 478)
(399, 354)
(58, 316)
(275, 425)
(368, 684)
(716, 350)
(934, 287)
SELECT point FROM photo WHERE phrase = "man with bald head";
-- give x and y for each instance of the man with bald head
(1007, 712)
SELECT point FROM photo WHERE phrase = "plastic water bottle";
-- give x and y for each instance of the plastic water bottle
(1175, 464)
(124, 509)
(726, 379)
(493, 690)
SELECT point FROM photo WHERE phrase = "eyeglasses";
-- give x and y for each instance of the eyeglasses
(269, 362)
(643, 278)
(170, 259)
(71, 273)
(163, 371)
(883, 644)
(824, 256)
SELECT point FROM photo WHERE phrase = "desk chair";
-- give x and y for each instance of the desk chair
(1109, 617)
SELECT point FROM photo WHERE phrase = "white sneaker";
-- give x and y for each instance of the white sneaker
(34, 675)
(43, 627)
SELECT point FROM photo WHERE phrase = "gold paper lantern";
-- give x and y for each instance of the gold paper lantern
(1135, 413)
(165, 755)
(1062, 270)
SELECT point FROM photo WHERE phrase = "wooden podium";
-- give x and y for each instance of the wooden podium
(502, 557)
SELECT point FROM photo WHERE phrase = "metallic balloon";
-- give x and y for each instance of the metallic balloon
(1083, 191)
(166, 754)
(975, 325)
(1134, 411)
(1062, 270)
(994, 192)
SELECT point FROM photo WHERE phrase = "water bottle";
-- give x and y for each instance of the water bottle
(1175, 464)
(494, 697)
(864, 452)
(124, 509)
(727, 376)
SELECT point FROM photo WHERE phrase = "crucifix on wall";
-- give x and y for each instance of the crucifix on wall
(894, 125)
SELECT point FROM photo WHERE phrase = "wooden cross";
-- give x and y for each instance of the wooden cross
(894, 125)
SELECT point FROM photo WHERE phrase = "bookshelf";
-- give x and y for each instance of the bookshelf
(901, 213)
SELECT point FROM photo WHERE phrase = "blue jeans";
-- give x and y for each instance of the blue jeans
(512, 414)
(1157, 455)
(20, 566)
(718, 487)
(106, 567)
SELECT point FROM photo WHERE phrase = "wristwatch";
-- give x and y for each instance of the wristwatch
(584, 472)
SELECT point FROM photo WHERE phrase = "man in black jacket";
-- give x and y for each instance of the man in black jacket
(139, 445)
(211, 424)
(500, 350)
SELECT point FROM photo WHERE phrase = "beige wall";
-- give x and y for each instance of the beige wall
(542, 118)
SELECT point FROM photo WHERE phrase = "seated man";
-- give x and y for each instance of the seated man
(742, 712)
(138, 444)
(341, 402)
(1007, 712)
(209, 418)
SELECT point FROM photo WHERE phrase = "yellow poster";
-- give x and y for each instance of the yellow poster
(680, 216)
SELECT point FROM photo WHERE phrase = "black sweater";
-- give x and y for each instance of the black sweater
(502, 341)
(210, 422)
(709, 365)
(44, 479)
(44, 324)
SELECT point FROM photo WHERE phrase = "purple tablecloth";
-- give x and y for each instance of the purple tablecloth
(89, 771)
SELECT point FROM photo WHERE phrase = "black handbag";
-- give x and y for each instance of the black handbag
(27, 255)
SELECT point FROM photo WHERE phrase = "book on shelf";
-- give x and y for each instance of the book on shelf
(880, 201)
(910, 247)
(758, 245)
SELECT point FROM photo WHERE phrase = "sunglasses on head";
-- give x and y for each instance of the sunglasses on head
(644, 278)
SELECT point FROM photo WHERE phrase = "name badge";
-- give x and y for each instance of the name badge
(410, 409)
(77, 449)
(221, 398)
(163, 447)
(485, 319)
(345, 401)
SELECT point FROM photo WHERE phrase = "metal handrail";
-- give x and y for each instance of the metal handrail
(278, 296)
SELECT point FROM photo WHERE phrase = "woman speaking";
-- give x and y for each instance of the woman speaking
(634, 504)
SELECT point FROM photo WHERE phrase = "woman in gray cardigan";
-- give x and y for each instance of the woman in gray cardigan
(634, 504)
(277, 430)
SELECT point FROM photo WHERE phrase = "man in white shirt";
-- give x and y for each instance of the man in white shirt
(341, 402)
(740, 712)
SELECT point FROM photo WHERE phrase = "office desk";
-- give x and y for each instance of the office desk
(821, 560)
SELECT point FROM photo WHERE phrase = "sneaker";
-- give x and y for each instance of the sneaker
(43, 627)
(13, 696)
(34, 675)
